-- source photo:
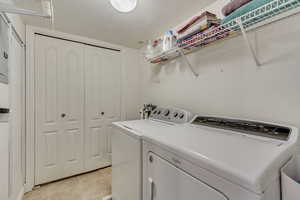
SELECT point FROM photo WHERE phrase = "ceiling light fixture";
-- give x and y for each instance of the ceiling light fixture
(124, 6)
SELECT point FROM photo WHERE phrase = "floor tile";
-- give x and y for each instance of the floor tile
(89, 186)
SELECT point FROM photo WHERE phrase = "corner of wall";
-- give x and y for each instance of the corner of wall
(131, 84)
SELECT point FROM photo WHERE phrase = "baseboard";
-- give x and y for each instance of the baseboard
(21, 194)
(28, 188)
(18, 196)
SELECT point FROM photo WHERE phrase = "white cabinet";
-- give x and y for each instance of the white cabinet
(126, 165)
(16, 133)
(167, 182)
(4, 155)
(77, 97)
(4, 46)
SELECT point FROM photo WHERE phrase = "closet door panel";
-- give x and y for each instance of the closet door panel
(95, 137)
(97, 142)
(48, 125)
(72, 84)
(111, 87)
(108, 139)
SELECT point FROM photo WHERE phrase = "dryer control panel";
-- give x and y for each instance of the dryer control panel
(174, 115)
(245, 126)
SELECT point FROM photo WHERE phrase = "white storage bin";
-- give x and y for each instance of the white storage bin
(290, 176)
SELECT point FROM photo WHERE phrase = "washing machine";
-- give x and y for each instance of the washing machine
(127, 149)
(215, 158)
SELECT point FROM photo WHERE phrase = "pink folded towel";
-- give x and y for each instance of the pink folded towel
(233, 5)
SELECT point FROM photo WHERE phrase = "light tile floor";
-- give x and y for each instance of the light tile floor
(90, 186)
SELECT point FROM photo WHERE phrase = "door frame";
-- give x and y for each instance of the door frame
(30, 89)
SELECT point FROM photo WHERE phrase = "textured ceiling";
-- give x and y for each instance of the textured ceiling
(97, 19)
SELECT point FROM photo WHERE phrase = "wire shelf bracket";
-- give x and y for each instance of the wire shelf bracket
(247, 41)
(188, 62)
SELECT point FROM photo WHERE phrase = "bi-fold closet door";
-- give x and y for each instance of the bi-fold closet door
(77, 97)
(103, 104)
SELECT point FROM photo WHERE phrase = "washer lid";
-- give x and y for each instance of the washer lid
(248, 161)
(139, 128)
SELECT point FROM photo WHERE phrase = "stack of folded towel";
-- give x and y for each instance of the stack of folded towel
(238, 8)
(211, 34)
(233, 5)
(198, 25)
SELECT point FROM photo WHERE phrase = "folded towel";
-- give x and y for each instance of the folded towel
(252, 5)
(204, 16)
(198, 28)
(233, 5)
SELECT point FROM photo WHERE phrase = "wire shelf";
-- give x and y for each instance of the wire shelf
(270, 12)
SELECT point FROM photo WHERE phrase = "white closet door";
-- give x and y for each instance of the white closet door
(59, 109)
(111, 87)
(72, 111)
(48, 119)
(101, 102)
(95, 122)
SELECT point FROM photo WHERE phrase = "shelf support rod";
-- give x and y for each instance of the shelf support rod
(188, 62)
(246, 39)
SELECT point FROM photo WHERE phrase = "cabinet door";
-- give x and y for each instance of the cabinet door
(4, 155)
(59, 109)
(167, 182)
(16, 140)
(95, 129)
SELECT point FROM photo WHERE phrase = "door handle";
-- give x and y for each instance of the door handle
(102, 113)
(5, 55)
(151, 188)
(63, 115)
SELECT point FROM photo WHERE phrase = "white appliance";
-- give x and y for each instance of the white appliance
(127, 149)
(217, 159)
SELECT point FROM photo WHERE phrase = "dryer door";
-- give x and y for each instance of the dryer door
(167, 182)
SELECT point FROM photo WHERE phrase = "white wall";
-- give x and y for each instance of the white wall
(131, 84)
(230, 84)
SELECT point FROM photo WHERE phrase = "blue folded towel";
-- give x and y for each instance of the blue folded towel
(244, 9)
(298, 181)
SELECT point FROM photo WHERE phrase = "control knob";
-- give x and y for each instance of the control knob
(167, 112)
(181, 116)
(175, 115)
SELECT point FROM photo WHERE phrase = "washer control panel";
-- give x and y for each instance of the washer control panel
(174, 115)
